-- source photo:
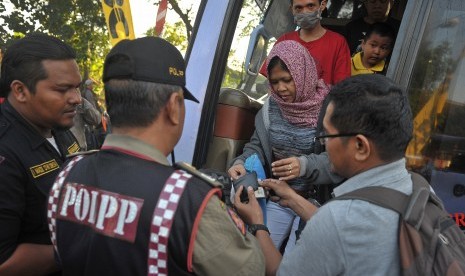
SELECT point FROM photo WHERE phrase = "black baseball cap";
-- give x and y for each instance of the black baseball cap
(150, 59)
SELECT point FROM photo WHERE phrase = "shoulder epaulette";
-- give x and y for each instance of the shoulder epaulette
(4, 125)
(192, 170)
(82, 153)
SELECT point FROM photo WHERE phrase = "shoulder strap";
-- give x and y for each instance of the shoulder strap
(162, 220)
(411, 208)
(420, 182)
(420, 195)
(191, 170)
(381, 196)
(54, 196)
(89, 152)
(4, 126)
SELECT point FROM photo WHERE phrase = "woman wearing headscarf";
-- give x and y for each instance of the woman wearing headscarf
(284, 130)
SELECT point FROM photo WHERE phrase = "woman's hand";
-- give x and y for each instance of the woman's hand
(286, 169)
(236, 171)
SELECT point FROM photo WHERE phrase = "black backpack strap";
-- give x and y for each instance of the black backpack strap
(381, 196)
(412, 208)
(420, 195)
(420, 181)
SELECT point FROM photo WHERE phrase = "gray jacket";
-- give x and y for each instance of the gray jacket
(315, 167)
(87, 116)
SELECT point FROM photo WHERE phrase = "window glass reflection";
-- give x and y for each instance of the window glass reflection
(437, 93)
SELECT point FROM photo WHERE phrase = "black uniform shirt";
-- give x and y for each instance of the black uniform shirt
(28, 167)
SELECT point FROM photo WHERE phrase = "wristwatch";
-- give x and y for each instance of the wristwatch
(253, 228)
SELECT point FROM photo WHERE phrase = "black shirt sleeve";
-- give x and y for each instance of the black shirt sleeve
(12, 205)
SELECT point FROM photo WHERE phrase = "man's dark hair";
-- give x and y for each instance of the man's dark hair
(382, 29)
(376, 107)
(23, 60)
(133, 103)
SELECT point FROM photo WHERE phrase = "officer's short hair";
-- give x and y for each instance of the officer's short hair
(133, 103)
(376, 107)
(23, 60)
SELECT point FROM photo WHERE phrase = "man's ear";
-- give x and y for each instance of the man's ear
(323, 5)
(19, 91)
(173, 108)
(363, 148)
(363, 44)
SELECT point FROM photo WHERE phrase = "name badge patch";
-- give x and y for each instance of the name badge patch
(111, 214)
(44, 168)
(73, 148)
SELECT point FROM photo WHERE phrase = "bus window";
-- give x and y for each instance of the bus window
(235, 75)
(437, 97)
(241, 83)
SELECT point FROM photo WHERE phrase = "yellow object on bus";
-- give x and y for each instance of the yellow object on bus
(424, 123)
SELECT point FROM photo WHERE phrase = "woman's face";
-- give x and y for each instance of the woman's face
(282, 83)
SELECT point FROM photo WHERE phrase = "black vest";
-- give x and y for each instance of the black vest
(111, 179)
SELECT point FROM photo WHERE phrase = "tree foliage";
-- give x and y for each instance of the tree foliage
(185, 15)
(180, 32)
(80, 23)
(174, 34)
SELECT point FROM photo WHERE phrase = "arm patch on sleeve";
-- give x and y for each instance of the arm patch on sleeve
(237, 220)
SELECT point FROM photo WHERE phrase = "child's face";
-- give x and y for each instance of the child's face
(375, 48)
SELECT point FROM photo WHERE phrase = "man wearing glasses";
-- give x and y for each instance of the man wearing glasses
(376, 11)
(367, 127)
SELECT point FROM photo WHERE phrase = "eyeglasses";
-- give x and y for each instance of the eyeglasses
(374, 1)
(323, 138)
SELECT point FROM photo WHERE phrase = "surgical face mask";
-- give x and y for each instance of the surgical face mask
(307, 20)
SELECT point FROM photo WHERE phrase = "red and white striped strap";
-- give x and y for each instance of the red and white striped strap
(54, 196)
(162, 221)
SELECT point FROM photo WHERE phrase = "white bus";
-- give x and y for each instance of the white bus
(428, 60)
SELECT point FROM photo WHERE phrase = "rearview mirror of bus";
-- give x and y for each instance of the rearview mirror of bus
(256, 51)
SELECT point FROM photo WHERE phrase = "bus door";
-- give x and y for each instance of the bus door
(215, 56)
(230, 42)
(427, 60)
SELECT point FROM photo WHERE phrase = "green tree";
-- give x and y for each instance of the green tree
(185, 15)
(180, 32)
(235, 76)
(174, 34)
(80, 23)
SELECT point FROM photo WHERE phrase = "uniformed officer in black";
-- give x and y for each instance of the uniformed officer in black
(124, 210)
(39, 78)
